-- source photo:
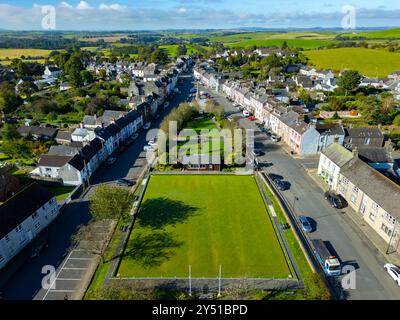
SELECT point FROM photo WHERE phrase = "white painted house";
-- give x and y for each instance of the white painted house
(23, 217)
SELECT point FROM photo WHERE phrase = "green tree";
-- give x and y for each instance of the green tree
(182, 50)
(27, 88)
(9, 101)
(86, 77)
(396, 121)
(110, 202)
(349, 81)
(10, 132)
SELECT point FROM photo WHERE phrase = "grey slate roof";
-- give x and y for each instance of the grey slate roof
(364, 133)
(21, 206)
(376, 186)
(338, 154)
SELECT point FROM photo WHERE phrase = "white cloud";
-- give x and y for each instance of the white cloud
(182, 10)
(83, 5)
(65, 5)
(114, 6)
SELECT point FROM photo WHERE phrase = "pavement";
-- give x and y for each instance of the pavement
(352, 246)
(24, 276)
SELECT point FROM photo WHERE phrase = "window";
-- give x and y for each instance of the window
(375, 206)
(1, 258)
(345, 181)
(7, 238)
(48, 169)
(355, 189)
(18, 228)
(386, 229)
(37, 225)
(353, 198)
(367, 141)
(343, 190)
(372, 216)
(389, 218)
(34, 216)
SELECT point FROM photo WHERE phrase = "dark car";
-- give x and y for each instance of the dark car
(128, 142)
(125, 182)
(258, 153)
(335, 200)
(39, 249)
(281, 185)
(111, 160)
(274, 176)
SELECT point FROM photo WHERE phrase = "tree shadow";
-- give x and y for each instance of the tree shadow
(160, 212)
(151, 250)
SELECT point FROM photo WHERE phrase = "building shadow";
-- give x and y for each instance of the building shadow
(160, 212)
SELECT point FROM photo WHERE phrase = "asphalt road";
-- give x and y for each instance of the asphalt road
(25, 284)
(350, 244)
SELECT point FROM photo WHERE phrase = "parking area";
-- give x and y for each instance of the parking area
(68, 279)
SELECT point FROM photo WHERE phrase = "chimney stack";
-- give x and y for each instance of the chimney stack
(355, 152)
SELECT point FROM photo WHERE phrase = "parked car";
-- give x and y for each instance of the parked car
(111, 160)
(147, 126)
(305, 224)
(275, 138)
(258, 153)
(246, 113)
(39, 250)
(393, 271)
(335, 200)
(153, 143)
(274, 176)
(125, 182)
(193, 90)
(251, 118)
(281, 185)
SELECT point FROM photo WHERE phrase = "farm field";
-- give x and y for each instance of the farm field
(370, 62)
(299, 43)
(172, 49)
(380, 34)
(17, 53)
(215, 223)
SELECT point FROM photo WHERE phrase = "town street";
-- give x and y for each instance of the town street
(25, 284)
(351, 245)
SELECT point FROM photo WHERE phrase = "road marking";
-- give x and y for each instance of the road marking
(53, 282)
(80, 258)
(64, 279)
(62, 290)
(75, 268)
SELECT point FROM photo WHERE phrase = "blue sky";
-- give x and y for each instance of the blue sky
(195, 14)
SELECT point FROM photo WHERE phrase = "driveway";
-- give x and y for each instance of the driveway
(351, 245)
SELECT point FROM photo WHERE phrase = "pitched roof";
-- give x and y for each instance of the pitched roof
(77, 162)
(333, 128)
(338, 154)
(22, 205)
(53, 161)
(64, 135)
(376, 186)
(36, 130)
(374, 154)
(364, 132)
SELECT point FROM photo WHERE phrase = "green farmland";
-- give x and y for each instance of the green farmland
(370, 62)
(203, 221)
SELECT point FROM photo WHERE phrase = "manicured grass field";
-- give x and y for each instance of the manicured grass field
(172, 49)
(203, 221)
(370, 62)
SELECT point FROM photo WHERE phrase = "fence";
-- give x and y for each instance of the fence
(198, 284)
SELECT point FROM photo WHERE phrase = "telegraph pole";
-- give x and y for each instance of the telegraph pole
(219, 281)
(190, 280)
